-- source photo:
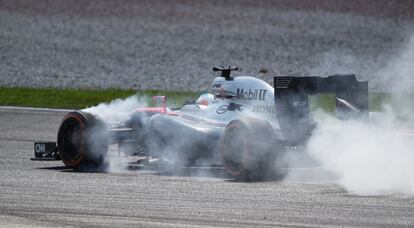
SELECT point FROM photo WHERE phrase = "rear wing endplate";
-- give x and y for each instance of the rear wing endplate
(292, 104)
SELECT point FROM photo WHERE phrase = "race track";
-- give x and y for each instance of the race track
(46, 194)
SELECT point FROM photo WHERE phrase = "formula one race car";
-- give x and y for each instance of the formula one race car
(243, 124)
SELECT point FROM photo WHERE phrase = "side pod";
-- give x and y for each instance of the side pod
(292, 104)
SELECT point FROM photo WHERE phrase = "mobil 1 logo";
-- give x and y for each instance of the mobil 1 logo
(251, 94)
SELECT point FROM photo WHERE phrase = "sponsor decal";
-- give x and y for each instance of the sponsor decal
(222, 109)
(217, 86)
(230, 107)
(264, 109)
(251, 94)
(234, 107)
(40, 148)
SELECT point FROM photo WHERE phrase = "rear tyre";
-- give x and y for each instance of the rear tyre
(248, 150)
(82, 140)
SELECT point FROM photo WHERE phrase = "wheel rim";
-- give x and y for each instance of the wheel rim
(70, 141)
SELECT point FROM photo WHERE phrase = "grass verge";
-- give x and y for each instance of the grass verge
(327, 101)
(79, 98)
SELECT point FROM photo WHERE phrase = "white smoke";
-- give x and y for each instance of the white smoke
(399, 73)
(170, 159)
(367, 158)
(118, 109)
(114, 112)
(377, 156)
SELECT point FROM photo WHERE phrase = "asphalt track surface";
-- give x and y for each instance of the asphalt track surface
(43, 194)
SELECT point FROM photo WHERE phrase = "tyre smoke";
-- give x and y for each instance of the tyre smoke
(375, 157)
(118, 109)
(171, 152)
(111, 113)
(367, 158)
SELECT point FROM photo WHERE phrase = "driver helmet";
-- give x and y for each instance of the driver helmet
(205, 99)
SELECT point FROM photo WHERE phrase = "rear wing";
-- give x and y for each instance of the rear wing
(292, 104)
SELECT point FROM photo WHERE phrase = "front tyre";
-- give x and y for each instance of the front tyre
(82, 140)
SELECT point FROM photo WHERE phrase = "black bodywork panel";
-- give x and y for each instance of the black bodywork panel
(292, 103)
(45, 151)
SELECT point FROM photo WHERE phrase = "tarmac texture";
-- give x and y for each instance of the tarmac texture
(46, 194)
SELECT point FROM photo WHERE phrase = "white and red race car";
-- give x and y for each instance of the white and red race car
(243, 124)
